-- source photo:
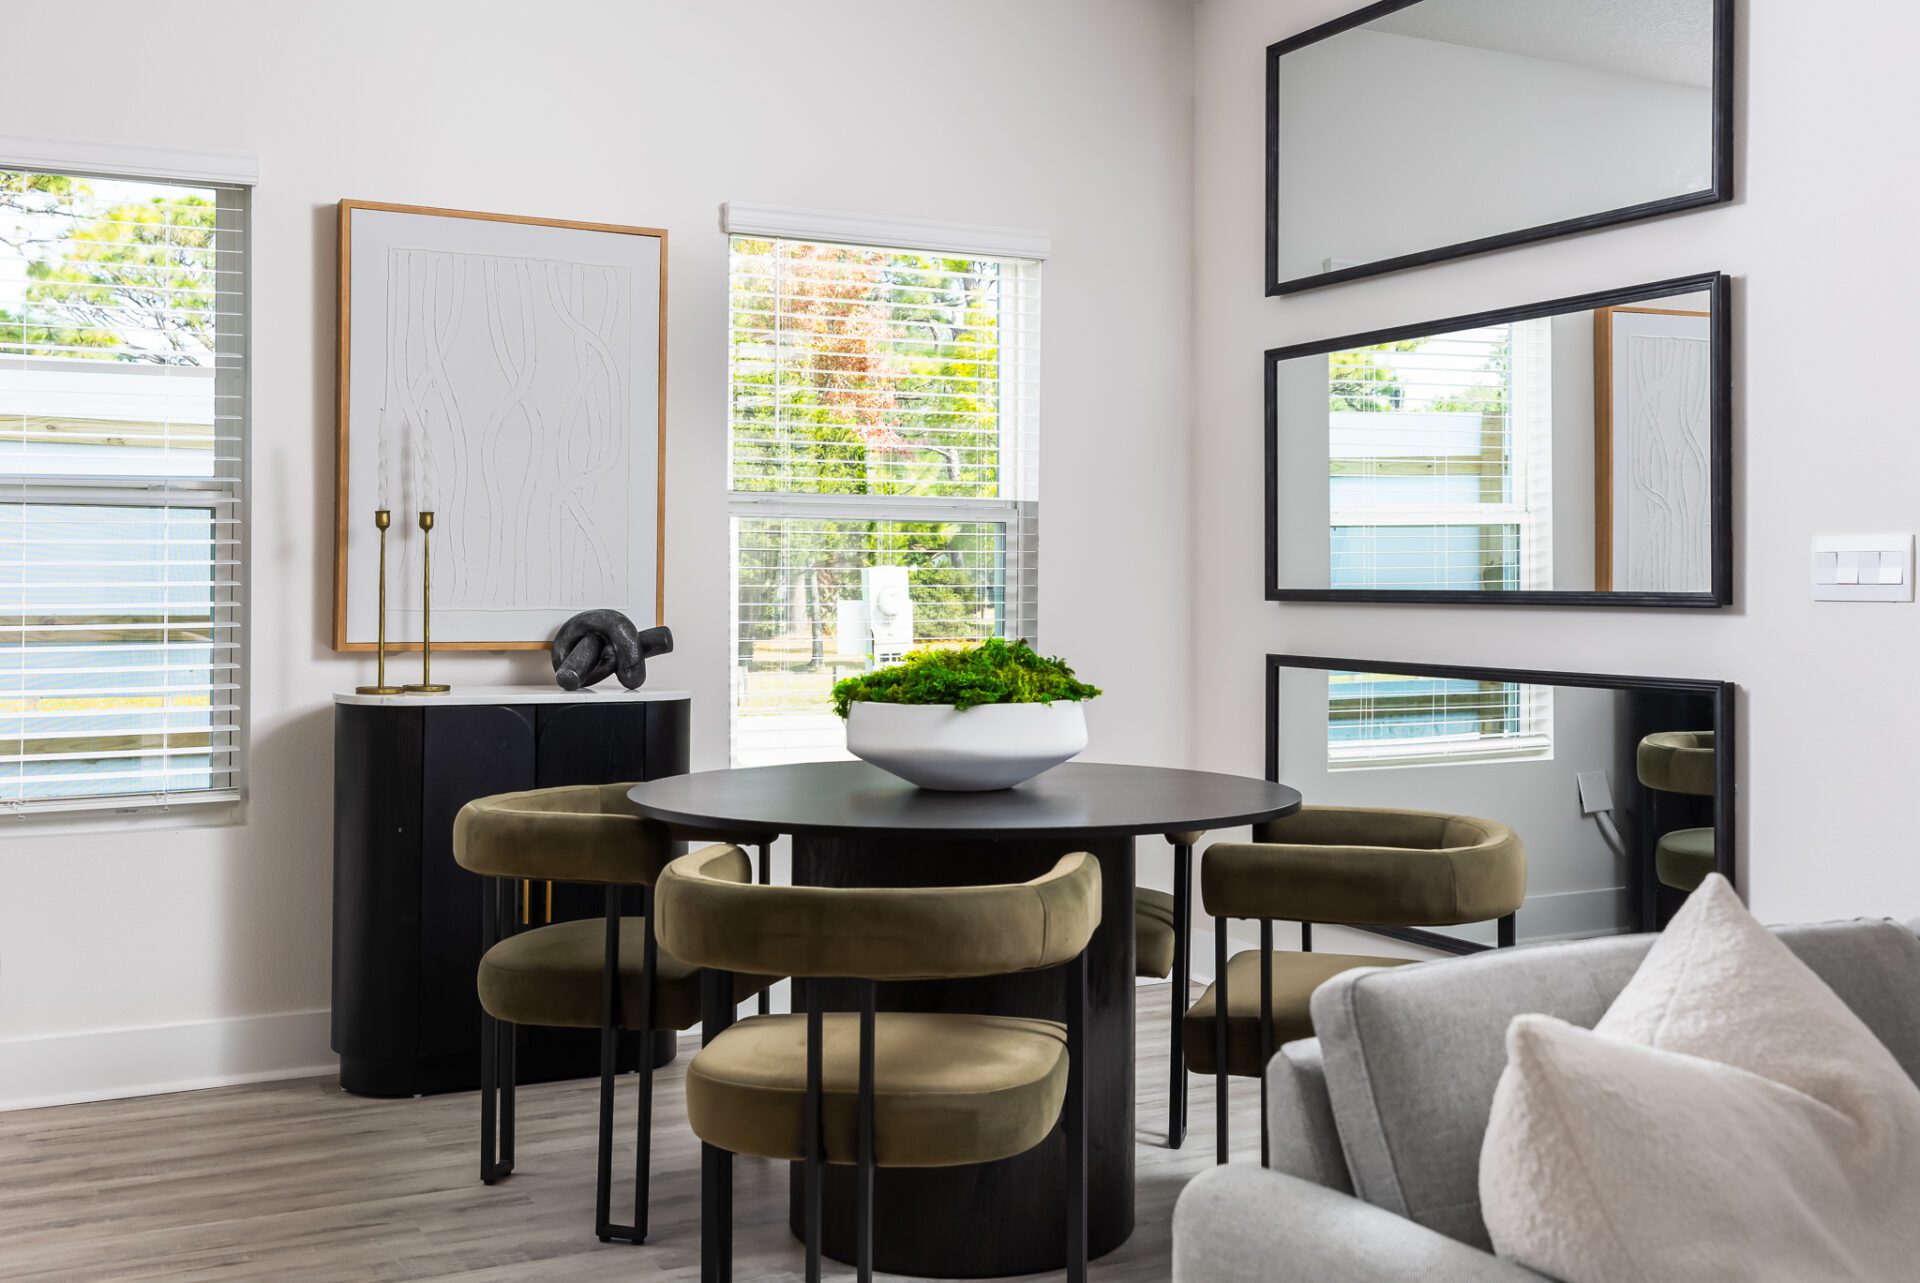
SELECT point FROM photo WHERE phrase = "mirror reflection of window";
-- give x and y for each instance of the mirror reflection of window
(1440, 461)
(1396, 719)
(1571, 447)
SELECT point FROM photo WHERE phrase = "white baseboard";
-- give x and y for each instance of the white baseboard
(108, 1064)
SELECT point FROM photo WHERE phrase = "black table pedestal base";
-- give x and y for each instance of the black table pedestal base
(1008, 1217)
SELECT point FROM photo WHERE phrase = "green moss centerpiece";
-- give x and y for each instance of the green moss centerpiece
(984, 717)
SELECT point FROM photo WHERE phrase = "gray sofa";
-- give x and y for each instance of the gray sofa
(1376, 1123)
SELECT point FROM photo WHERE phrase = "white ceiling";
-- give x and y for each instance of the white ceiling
(1660, 39)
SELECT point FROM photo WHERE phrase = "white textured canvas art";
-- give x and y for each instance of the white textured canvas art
(506, 376)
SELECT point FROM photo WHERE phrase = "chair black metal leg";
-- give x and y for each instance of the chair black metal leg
(764, 875)
(509, 1046)
(1507, 927)
(489, 1093)
(609, 1039)
(863, 1173)
(1075, 1120)
(496, 1106)
(1306, 937)
(1220, 1040)
(1647, 883)
(716, 1164)
(813, 1175)
(1182, 944)
(1266, 1027)
(716, 1214)
(643, 1129)
(509, 1081)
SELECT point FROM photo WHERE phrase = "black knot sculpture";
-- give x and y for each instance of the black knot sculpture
(596, 644)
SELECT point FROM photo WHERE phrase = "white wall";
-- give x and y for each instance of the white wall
(1072, 117)
(1821, 246)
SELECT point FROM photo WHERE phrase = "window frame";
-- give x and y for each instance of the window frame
(1015, 510)
(226, 491)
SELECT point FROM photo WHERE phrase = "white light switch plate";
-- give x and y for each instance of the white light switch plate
(1863, 567)
(1595, 796)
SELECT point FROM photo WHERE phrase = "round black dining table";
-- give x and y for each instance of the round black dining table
(853, 824)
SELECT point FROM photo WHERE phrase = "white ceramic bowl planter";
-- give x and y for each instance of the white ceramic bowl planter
(989, 746)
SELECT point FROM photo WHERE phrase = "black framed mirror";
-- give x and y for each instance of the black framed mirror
(1413, 131)
(1575, 452)
(1620, 788)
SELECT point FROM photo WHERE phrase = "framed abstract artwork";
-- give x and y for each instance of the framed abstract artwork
(508, 375)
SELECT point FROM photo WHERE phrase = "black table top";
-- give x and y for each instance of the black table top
(858, 799)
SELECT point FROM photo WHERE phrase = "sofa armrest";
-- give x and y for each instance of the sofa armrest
(1302, 1137)
(1244, 1224)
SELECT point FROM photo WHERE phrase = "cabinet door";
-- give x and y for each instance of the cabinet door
(590, 743)
(472, 750)
(376, 880)
(587, 744)
(669, 730)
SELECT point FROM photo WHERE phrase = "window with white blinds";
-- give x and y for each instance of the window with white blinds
(123, 404)
(1440, 461)
(883, 407)
(1392, 719)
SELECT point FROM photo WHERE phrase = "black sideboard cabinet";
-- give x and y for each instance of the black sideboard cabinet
(406, 918)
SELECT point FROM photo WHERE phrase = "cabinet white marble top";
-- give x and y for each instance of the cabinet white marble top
(608, 692)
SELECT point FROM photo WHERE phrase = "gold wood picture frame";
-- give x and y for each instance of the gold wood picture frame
(483, 298)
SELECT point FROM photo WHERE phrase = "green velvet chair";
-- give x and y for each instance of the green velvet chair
(1162, 950)
(1358, 866)
(1680, 762)
(878, 1089)
(762, 845)
(606, 974)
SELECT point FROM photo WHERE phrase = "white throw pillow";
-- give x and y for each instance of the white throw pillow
(1728, 1119)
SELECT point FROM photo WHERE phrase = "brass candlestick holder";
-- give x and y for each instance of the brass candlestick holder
(426, 685)
(381, 520)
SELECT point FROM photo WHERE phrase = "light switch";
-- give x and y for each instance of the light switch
(1863, 567)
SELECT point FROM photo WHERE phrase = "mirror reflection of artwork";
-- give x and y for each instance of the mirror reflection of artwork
(1416, 130)
(1560, 451)
(1613, 784)
(1653, 447)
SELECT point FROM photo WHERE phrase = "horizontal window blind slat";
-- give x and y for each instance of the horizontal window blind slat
(95, 777)
(23, 810)
(8, 720)
(150, 690)
(110, 758)
(143, 585)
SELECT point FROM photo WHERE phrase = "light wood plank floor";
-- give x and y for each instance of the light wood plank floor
(297, 1181)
